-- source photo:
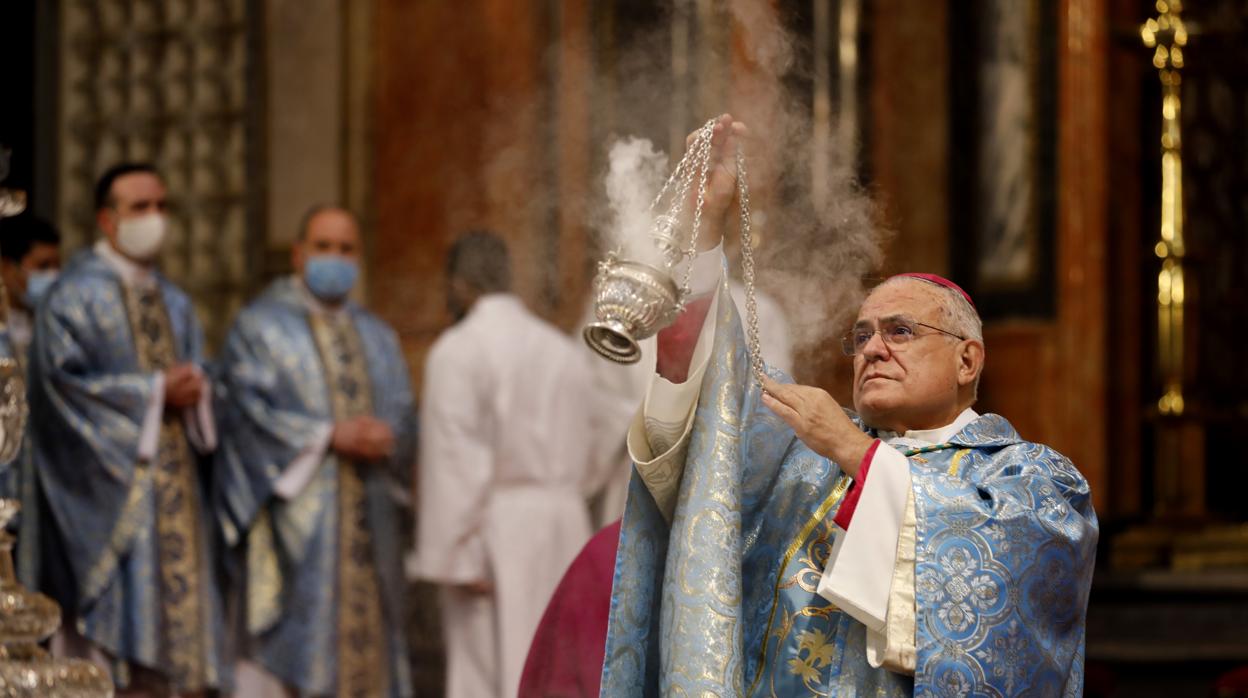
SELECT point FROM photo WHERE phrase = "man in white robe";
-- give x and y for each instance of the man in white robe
(506, 462)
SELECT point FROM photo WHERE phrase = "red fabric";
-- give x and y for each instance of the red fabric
(678, 340)
(565, 659)
(1232, 684)
(939, 281)
(849, 504)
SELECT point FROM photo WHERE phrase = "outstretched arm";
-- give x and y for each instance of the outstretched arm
(659, 436)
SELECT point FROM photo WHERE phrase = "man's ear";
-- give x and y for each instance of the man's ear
(970, 361)
(105, 220)
(297, 257)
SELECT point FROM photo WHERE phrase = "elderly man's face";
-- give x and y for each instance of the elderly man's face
(915, 385)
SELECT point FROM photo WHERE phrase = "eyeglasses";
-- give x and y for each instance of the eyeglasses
(896, 333)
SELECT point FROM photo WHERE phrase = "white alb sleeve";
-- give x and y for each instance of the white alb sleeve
(298, 473)
(859, 573)
(659, 435)
(201, 425)
(149, 437)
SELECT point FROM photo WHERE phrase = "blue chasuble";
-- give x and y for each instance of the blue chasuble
(279, 384)
(722, 601)
(127, 549)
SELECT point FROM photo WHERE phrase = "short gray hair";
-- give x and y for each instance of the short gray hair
(305, 221)
(957, 315)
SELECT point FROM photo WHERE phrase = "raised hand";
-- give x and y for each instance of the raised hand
(721, 180)
(818, 420)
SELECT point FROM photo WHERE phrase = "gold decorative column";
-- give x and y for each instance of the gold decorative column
(1180, 439)
(1167, 36)
(1180, 536)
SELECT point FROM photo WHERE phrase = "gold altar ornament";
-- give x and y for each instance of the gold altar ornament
(1167, 36)
(28, 618)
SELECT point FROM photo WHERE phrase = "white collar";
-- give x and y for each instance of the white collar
(927, 437)
(133, 274)
(490, 301)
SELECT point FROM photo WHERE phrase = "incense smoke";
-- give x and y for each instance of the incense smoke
(816, 237)
(635, 173)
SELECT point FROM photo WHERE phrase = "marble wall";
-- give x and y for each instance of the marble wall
(166, 82)
(481, 122)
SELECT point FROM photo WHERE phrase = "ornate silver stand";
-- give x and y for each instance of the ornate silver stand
(27, 618)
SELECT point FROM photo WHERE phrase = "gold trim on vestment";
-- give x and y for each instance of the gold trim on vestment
(174, 486)
(123, 531)
(264, 588)
(362, 665)
(838, 491)
(957, 461)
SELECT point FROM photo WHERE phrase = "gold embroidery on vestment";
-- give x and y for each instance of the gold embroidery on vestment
(361, 642)
(264, 588)
(838, 491)
(957, 461)
(174, 484)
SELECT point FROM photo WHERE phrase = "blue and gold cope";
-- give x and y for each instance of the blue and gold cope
(723, 600)
(127, 549)
(320, 572)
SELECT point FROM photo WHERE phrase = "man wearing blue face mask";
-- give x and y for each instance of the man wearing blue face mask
(30, 259)
(318, 437)
(121, 416)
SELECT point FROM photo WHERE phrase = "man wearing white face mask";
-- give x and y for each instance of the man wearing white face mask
(121, 414)
(318, 437)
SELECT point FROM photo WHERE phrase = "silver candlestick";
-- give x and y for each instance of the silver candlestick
(12, 201)
(13, 410)
(28, 618)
